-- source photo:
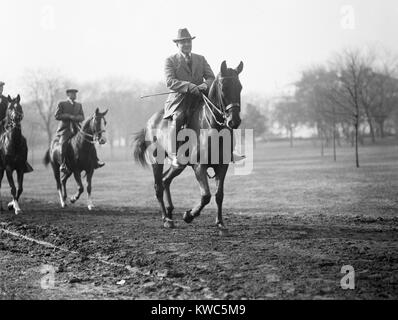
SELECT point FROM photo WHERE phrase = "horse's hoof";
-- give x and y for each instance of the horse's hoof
(17, 212)
(90, 207)
(222, 230)
(63, 205)
(72, 200)
(188, 218)
(10, 206)
(169, 224)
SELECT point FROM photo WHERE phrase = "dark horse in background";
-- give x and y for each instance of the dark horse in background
(13, 152)
(80, 156)
(221, 111)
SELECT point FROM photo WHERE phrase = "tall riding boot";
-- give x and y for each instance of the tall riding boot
(63, 168)
(28, 167)
(173, 143)
(99, 164)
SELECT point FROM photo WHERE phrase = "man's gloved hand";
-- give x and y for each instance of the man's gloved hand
(202, 87)
(195, 90)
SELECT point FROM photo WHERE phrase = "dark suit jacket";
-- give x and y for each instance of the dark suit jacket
(67, 127)
(181, 79)
(3, 107)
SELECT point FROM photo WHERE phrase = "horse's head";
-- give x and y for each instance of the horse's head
(14, 110)
(98, 126)
(229, 88)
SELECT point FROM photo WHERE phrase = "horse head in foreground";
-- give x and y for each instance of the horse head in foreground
(220, 113)
(80, 156)
(13, 151)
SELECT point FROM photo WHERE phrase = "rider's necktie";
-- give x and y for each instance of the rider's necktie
(189, 62)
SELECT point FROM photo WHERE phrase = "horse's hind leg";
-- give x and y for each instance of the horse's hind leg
(201, 176)
(80, 189)
(90, 204)
(168, 177)
(159, 189)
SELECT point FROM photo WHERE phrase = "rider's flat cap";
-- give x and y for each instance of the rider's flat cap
(2, 83)
(71, 90)
(183, 34)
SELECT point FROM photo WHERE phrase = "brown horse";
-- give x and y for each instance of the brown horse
(80, 156)
(13, 152)
(220, 113)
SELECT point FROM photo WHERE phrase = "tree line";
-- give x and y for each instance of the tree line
(353, 95)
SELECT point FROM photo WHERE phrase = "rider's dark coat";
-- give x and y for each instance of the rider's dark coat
(67, 128)
(3, 110)
(180, 79)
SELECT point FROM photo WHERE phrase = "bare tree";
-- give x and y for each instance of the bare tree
(254, 119)
(351, 68)
(45, 88)
(319, 112)
(288, 114)
(386, 99)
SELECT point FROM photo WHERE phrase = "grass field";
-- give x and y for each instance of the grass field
(293, 181)
(294, 222)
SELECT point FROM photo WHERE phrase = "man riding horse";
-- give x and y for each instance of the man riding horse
(70, 114)
(189, 76)
(4, 102)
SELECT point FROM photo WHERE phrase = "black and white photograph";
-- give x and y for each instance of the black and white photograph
(210, 151)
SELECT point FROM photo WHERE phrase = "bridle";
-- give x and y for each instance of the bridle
(94, 137)
(15, 120)
(223, 111)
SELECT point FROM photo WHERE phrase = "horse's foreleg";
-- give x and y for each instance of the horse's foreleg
(63, 194)
(57, 177)
(221, 172)
(159, 189)
(90, 204)
(167, 179)
(14, 203)
(20, 175)
(80, 188)
(201, 176)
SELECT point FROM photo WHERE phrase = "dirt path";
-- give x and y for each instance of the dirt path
(120, 253)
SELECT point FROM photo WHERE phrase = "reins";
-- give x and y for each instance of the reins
(221, 111)
(92, 138)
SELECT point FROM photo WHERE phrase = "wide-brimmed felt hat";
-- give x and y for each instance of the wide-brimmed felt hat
(71, 90)
(183, 34)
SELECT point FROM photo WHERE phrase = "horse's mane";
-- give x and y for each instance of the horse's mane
(86, 122)
(214, 88)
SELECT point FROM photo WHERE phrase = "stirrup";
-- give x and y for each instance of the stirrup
(99, 164)
(63, 168)
(174, 162)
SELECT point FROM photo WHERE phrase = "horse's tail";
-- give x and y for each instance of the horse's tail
(140, 147)
(47, 158)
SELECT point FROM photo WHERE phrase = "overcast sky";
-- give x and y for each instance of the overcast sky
(91, 39)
